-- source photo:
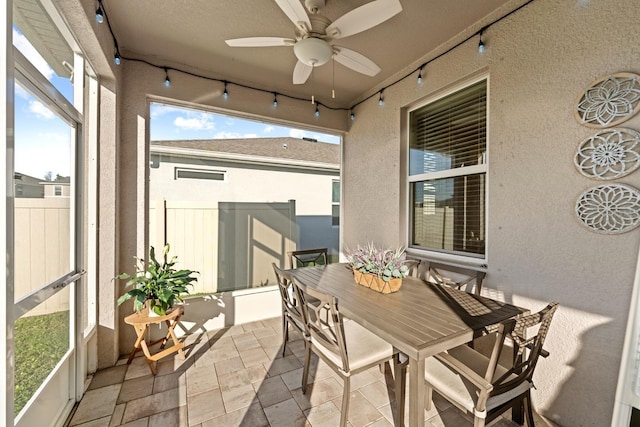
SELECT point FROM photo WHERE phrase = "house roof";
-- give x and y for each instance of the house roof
(273, 148)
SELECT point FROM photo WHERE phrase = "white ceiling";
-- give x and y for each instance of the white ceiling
(190, 35)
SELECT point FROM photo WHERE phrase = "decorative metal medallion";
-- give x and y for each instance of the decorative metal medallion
(609, 101)
(609, 209)
(609, 154)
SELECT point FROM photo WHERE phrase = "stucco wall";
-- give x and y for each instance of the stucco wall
(539, 60)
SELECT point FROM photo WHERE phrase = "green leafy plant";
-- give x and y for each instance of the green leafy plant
(386, 263)
(158, 283)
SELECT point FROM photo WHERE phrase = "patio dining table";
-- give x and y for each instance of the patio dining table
(421, 319)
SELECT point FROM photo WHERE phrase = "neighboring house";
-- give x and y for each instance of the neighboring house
(27, 186)
(253, 171)
(60, 187)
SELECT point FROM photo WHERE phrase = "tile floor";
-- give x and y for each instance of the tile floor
(238, 377)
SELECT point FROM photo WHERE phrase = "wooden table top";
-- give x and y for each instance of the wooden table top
(421, 319)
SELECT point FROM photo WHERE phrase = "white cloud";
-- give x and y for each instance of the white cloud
(199, 122)
(227, 135)
(37, 108)
(30, 52)
(250, 135)
(268, 129)
(297, 133)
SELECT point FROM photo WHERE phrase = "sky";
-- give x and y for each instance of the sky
(43, 140)
(171, 122)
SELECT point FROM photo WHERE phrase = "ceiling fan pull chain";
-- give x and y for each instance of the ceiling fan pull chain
(333, 77)
(313, 86)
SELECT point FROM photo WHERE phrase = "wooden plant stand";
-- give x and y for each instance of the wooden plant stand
(141, 321)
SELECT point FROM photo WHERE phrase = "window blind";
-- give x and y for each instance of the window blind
(448, 214)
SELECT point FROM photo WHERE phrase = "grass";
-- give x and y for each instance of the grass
(40, 343)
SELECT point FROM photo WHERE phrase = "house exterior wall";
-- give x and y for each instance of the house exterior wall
(243, 183)
(539, 60)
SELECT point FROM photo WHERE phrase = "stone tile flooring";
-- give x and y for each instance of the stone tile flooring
(238, 377)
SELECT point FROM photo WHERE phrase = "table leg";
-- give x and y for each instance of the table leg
(416, 393)
(140, 329)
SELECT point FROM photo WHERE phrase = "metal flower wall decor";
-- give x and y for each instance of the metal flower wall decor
(609, 154)
(609, 209)
(609, 101)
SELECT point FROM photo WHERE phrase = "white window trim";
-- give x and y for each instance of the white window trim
(461, 260)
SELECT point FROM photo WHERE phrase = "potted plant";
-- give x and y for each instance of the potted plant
(379, 269)
(156, 285)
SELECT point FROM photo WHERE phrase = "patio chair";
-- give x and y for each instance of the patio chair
(308, 257)
(345, 346)
(291, 307)
(478, 384)
(466, 279)
(414, 267)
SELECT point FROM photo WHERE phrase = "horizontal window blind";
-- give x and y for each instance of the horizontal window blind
(450, 132)
(448, 213)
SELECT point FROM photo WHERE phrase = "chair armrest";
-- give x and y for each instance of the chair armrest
(464, 370)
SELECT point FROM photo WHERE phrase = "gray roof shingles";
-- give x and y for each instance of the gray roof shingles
(296, 149)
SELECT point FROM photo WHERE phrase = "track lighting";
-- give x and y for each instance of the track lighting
(352, 116)
(167, 82)
(99, 13)
(275, 100)
(116, 58)
(317, 113)
(225, 94)
(381, 99)
(420, 76)
(480, 44)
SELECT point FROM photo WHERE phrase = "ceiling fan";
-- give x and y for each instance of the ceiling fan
(313, 42)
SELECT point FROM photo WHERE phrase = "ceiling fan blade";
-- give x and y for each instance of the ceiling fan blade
(355, 61)
(260, 42)
(296, 13)
(363, 18)
(301, 73)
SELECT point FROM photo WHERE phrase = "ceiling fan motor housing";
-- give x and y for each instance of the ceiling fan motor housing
(314, 5)
(313, 52)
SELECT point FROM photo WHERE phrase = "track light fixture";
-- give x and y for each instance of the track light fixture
(225, 94)
(275, 100)
(99, 13)
(352, 116)
(420, 76)
(116, 58)
(317, 113)
(480, 43)
(381, 99)
(167, 81)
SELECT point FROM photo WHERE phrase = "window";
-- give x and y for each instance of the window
(58, 190)
(199, 174)
(335, 203)
(447, 172)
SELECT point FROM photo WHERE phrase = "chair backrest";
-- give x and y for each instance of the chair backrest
(463, 278)
(518, 329)
(291, 303)
(325, 330)
(308, 257)
(413, 265)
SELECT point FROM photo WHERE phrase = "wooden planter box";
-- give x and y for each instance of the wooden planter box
(376, 283)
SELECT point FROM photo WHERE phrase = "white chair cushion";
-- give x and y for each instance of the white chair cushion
(363, 347)
(457, 388)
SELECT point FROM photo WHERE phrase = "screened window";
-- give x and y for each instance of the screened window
(199, 174)
(447, 172)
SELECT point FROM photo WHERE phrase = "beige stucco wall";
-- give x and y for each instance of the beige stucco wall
(539, 61)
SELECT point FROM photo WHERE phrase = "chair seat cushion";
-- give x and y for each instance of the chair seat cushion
(460, 390)
(363, 348)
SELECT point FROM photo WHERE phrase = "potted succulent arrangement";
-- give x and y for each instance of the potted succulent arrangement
(379, 269)
(156, 285)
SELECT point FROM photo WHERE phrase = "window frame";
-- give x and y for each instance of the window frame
(478, 260)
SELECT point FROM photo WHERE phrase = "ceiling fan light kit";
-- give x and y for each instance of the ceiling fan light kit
(313, 44)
